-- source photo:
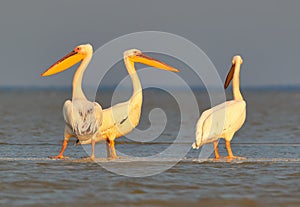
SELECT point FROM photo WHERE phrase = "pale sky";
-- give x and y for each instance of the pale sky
(35, 33)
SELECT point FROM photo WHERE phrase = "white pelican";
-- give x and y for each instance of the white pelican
(122, 118)
(223, 120)
(82, 117)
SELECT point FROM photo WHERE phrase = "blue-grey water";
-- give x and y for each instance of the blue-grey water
(31, 129)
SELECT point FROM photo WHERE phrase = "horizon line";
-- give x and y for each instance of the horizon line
(109, 88)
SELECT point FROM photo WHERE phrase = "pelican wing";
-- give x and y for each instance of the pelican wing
(115, 116)
(222, 119)
(82, 116)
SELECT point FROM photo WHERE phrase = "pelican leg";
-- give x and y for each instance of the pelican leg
(108, 149)
(67, 137)
(228, 147)
(93, 142)
(113, 154)
(113, 149)
(230, 154)
(217, 155)
(61, 153)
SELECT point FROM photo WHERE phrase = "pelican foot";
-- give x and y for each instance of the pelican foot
(88, 158)
(229, 158)
(111, 158)
(59, 157)
(218, 158)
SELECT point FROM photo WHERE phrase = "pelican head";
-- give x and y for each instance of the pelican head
(136, 55)
(78, 54)
(236, 60)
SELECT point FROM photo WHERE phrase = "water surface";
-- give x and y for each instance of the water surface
(31, 129)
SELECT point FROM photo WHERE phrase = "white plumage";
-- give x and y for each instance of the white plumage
(85, 120)
(223, 120)
(122, 118)
(83, 117)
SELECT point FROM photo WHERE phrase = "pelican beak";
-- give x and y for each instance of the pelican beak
(142, 58)
(64, 63)
(229, 76)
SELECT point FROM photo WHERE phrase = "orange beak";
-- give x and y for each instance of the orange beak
(63, 64)
(142, 58)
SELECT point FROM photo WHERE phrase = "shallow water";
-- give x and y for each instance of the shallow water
(31, 128)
